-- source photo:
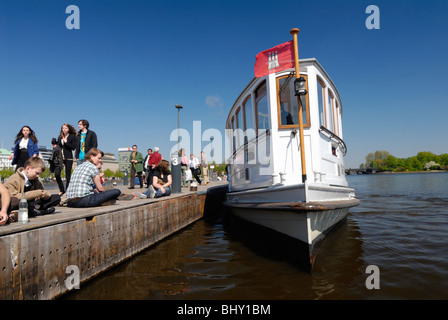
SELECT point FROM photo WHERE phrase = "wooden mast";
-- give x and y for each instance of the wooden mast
(294, 33)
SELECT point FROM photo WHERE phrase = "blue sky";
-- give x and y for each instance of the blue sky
(132, 61)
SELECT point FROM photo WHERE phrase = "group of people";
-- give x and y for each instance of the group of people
(193, 168)
(148, 165)
(157, 173)
(83, 188)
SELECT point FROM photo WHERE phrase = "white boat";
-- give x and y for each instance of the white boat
(286, 175)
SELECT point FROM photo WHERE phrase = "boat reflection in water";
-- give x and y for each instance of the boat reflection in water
(215, 260)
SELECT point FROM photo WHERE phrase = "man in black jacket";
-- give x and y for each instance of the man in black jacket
(86, 140)
(56, 161)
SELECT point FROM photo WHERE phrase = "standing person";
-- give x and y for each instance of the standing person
(86, 140)
(146, 167)
(136, 159)
(57, 164)
(183, 167)
(25, 182)
(162, 181)
(204, 166)
(193, 164)
(80, 192)
(25, 147)
(153, 162)
(67, 142)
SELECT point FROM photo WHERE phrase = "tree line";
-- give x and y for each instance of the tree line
(384, 161)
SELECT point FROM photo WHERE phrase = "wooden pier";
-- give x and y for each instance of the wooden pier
(52, 254)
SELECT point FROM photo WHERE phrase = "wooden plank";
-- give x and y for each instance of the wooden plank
(66, 214)
(29, 265)
(14, 248)
(45, 247)
(6, 267)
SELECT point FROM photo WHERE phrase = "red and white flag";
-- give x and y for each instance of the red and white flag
(276, 59)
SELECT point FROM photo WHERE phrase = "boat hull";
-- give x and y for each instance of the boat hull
(306, 222)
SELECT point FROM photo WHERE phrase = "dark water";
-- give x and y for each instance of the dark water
(401, 227)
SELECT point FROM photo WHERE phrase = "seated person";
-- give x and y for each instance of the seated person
(81, 192)
(161, 182)
(25, 182)
(5, 200)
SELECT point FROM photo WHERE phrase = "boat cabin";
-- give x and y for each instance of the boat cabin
(263, 131)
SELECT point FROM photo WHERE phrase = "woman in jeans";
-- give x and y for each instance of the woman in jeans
(81, 192)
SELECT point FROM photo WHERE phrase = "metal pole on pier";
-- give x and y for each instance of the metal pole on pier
(176, 172)
(294, 33)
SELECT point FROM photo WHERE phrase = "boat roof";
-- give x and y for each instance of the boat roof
(307, 61)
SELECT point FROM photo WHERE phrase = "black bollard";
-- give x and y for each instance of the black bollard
(176, 174)
(125, 178)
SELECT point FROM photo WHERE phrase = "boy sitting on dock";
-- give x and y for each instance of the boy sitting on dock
(25, 182)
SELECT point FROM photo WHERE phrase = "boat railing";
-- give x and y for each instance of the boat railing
(340, 142)
(247, 142)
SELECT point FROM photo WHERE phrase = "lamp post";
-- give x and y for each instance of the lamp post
(176, 172)
(178, 107)
(210, 173)
(212, 150)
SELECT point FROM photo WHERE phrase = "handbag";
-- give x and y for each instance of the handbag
(198, 171)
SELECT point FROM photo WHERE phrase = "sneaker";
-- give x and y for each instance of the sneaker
(13, 216)
(139, 195)
(152, 192)
(126, 197)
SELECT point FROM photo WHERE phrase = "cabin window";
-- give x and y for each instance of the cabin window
(249, 116)
(287, 104)
(262, 108)
(233, 135)
(249, 133)
(338, 130)
(321, 95)
(328, 108)
(330, 111)
(239, 127)
(305, 109)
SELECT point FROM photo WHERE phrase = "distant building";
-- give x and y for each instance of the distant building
(123, 159)
(4, 159)
(109, 162)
